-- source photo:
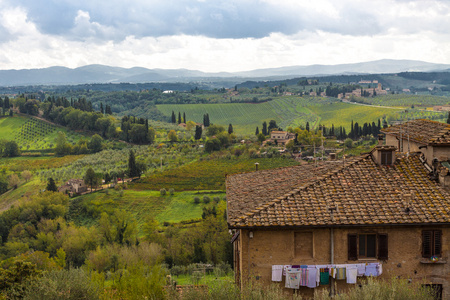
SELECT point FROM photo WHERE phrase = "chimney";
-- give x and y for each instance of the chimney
(380, 139)
(256, 166)
(332, 156)
(407, 202)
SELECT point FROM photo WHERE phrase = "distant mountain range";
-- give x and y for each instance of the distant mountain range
(107, 74)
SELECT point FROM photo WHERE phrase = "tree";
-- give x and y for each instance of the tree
(174, 120)
(190, 125)
(307, 126)
(264, 128)
(448, 119)
(172, 136)
(184, 117)
(101, 108)
(261, 137)
(272, 125)
(13, 181)
(26, 175)
(151, 135)
(214, 130)
(62, 147)
(95, 144)
(91, 178)
(198, 132)
(212, 145)
(230, 129)
(179, 117)
(133, 170)
(11, 149)
(51, 186)
(257, 131)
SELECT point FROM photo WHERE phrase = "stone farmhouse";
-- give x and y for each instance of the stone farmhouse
(281, 137)
(381, 211)
(73, 186)
(369, 91)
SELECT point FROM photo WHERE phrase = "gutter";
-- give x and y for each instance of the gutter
(340, 226)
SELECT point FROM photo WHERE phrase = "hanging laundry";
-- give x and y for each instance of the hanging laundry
(379, 269)
(277, 273)
(312, 277)
(371, 270)
(285, 267)
(340, 273)
(293, 278)
(361, 269)
(324, 276)
(303, 276)
(351, 273)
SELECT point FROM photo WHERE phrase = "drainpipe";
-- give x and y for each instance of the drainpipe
(332, 291)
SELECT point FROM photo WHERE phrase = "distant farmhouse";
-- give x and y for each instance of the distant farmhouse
(367, 91)
(73, 186)
(281, 137)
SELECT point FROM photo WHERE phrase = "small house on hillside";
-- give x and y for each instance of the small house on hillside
(429, 137)
(281, 137)
(380, 214)
(73, 186)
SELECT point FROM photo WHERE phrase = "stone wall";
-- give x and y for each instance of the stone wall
(287, 247)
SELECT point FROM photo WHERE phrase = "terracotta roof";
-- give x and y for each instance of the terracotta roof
(422, 131)
(361, 193)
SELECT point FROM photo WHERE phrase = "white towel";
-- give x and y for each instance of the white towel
(277, 273)
(351, 274)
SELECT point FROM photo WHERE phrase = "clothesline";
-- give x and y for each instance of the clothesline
(314, 275)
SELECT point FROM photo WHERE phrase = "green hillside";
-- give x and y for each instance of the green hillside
(33, 134)
(287, 111)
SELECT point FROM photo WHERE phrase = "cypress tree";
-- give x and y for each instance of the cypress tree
(448, 119)
(307, 126)
(264, 128)
(101, 107)
(51, 186)
(257, 130)
(198, 132)
(184, 118)
(174, 120)
(179, 117)
(230, 129)
(132, 168)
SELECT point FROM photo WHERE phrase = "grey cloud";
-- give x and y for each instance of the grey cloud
(117, 19)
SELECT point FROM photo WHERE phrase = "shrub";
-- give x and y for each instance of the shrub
(163, 192)
(216, 199)
(63, 284)
(171, 191)
(196, 200)
(206, 199)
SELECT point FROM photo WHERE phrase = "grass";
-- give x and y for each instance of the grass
(207, 174)
(85, 210)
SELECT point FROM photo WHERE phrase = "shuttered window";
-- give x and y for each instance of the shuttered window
(431, 243)
(367, 246)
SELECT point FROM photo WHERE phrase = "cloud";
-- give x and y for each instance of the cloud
(230, 35)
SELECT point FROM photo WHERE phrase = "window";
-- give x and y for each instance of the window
(431, 243)
(367, 246)
(386, 157)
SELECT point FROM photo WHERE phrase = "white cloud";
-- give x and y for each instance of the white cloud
(221, 35)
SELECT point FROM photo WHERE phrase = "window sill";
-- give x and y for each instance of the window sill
(427, 261)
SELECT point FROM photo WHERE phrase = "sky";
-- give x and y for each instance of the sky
(214, 36)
